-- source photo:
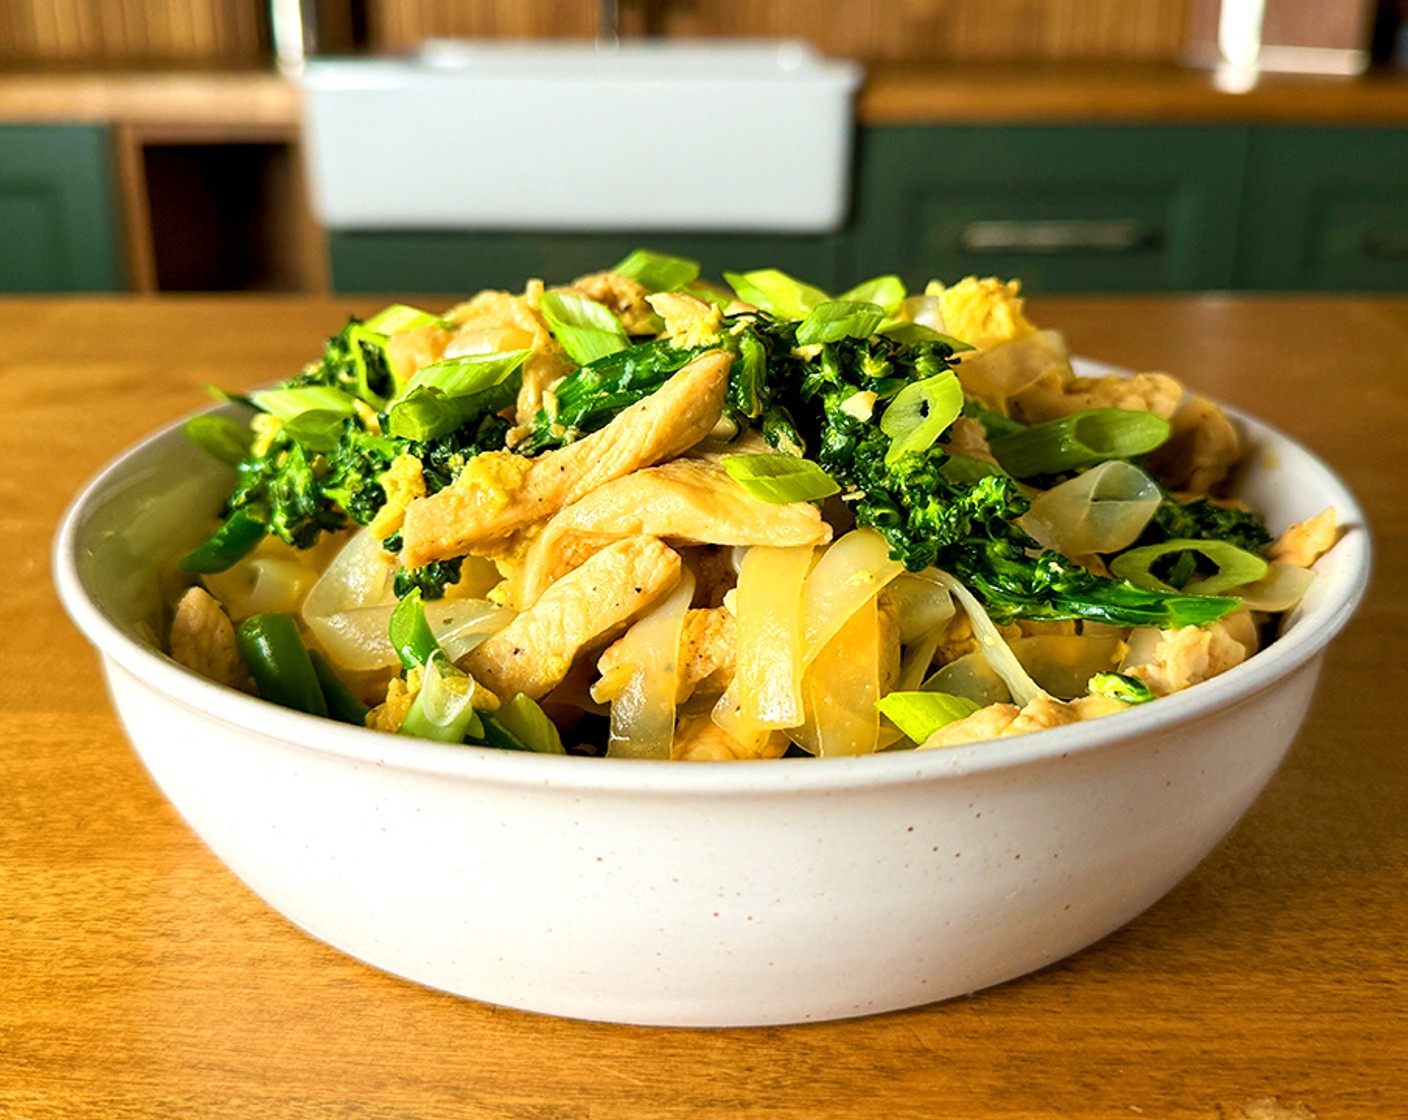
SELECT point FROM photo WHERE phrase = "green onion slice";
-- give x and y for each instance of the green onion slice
(887, 291)
(473, 373)
(587, 329)
(964, 470)
(838, 319)
(443, 709)
(1235, 566)
(920, 714)
(400, 317)
(410, 633)
(1121, 686)
(316, 430)
(285, 404)
(920, 412)
(1079, 440)
(780, 478)
(775, 292)
(657, 272)
(225, 439)
(524, 726)
(908, 334)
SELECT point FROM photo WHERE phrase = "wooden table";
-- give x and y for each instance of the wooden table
(138, 978)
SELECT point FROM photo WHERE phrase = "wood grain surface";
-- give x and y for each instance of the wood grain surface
(139, 978)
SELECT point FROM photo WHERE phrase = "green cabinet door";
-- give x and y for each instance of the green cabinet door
(59, 225)
(1065, 208)
(451, 261)
(1326, 208)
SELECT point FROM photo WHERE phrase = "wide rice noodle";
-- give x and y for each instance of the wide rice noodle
(841, 687)
(998, 654)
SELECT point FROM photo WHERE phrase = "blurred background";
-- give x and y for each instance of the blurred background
(1083, 145)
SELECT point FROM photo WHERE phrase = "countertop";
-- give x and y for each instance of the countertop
(892, 94)
(139, 978)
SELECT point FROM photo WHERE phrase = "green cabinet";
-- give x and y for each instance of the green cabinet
(450, 261)
(59, 223)
(1326, 208)
(1066, 208)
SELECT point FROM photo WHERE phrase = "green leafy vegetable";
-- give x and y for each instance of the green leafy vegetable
(1120, 686)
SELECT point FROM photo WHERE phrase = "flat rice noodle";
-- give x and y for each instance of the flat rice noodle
(842, 685)
(991, 643)
(766, 691)
(971, 677)
(1063, 665)
(1283, 586)
(992, 377)
(643, 712)
(850, 573)
(1102, 510)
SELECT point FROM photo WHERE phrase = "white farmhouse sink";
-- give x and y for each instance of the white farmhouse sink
(573, 136)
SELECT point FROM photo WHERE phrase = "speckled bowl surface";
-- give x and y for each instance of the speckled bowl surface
(694, 894)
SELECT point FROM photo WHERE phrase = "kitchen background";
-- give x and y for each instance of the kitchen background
(1084, 145)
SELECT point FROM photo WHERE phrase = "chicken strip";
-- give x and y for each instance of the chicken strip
(534, 652)
(707, 655)
(685, 501)
(499, 492)
(203, 639)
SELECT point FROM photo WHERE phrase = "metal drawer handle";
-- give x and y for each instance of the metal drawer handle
(1385, 246)
(1074, 235)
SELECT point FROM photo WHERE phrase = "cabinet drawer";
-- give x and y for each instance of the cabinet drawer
(1326, 209)
(59, 226)
(1065, 208)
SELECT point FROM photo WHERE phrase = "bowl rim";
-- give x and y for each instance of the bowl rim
(582, 774)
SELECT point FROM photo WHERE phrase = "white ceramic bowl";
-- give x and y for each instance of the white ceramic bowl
(694, 894)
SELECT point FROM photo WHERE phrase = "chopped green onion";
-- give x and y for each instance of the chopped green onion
(521, 724)
(225, 439)
(657, 272)
(920, 412)
(316, 430)
(285, 404)
(775, 292)
(279, 662)
(908, 334)
(780, 478)
(920, 714)
(838, 319)
(1080, 440)
(746, 379)
(343, 704)
(1235, 566)
(410, 633)
(460, 377)
(887, 291)
(236, 538)
(400, 317)
(587, 329)
(443, 709)
(1120, 686)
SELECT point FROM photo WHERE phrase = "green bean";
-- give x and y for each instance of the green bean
(343, 704)
(236, 538)
(279, 662)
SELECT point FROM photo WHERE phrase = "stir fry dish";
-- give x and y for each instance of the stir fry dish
(648, 516)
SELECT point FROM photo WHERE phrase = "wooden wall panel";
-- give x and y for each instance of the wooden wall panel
(227, 33)
(402, 25)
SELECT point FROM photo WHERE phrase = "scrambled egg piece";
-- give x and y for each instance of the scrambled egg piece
(404, 482)
(1306, 541)
(983, 313)
(689, 321)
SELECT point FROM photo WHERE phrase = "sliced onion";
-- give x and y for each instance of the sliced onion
(1103, 510)
(1063, 665)
(260, 583)
(349, 608)
(999, 655)
(643, 713)
(853, 570)
(1283, 586)
(842, 687)
(992, 377)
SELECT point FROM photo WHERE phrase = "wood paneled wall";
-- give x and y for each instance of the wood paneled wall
(890, 30)
(227, 33)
